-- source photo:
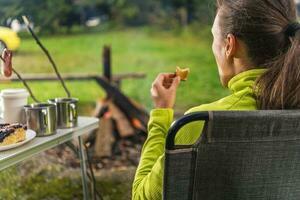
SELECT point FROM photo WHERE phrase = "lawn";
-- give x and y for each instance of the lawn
(134, 50)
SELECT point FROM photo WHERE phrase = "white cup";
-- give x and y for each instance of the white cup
(12, 102)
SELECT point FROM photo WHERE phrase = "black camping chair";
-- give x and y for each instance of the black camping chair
(240, 155)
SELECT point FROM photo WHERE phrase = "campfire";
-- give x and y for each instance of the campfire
(123, 125)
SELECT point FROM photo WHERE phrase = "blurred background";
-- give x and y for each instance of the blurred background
(150, 37)
(147, 37)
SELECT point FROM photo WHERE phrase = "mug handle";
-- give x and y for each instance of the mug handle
(45, 119)
(73, 112)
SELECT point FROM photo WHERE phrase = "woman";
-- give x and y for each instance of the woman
(256, 46)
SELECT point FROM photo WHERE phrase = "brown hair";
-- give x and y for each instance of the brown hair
(262, 25)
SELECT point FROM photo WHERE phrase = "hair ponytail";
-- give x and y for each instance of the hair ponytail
(279, 86)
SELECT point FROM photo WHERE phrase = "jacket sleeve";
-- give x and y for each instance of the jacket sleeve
(148, 181)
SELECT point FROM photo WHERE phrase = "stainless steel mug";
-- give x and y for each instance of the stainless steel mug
(41, 118)
(67, 116)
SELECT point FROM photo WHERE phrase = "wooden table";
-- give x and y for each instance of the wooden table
(40, 144)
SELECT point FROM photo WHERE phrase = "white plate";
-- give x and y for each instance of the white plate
(30, 134)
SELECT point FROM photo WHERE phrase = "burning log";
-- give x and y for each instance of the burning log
(104, 139)
(137, 116)
(132, 112)
(128, 120)
(119, 117)
(123, 126)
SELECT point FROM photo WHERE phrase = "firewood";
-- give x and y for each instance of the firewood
(123, 125)
(104, 138)
(124, 103)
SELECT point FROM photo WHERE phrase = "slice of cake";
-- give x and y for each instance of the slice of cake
(12, 133)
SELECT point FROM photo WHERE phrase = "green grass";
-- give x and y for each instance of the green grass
(48, 183)
(134, 50)
(45, 183)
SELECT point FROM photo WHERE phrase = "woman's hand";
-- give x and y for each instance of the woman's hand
(163, 90)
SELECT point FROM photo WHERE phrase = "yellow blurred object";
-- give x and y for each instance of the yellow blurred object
(9, 39)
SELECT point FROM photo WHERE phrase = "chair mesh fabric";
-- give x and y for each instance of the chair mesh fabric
(178, 176)
(242, 155)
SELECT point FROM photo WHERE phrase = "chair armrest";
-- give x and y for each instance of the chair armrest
(178, 124)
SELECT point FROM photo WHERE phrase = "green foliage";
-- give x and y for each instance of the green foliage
(53, 15)
(47, 15)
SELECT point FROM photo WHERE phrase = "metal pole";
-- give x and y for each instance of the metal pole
(83, 169)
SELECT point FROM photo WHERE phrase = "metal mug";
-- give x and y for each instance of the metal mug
(41, 118)
(67, 115)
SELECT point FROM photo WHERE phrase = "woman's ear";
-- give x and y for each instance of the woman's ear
(230, 46)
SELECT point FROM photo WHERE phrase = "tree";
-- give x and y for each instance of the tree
(48, 15)
(51, 15)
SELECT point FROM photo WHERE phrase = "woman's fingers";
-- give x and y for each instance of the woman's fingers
(161, 81)
(165, 81)
(163, 90)
(172, 81)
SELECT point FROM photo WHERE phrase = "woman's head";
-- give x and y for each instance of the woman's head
(230, 53)
(260, 28)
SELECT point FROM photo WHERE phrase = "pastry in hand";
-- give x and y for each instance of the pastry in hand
(182, 73)
(12, 133)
